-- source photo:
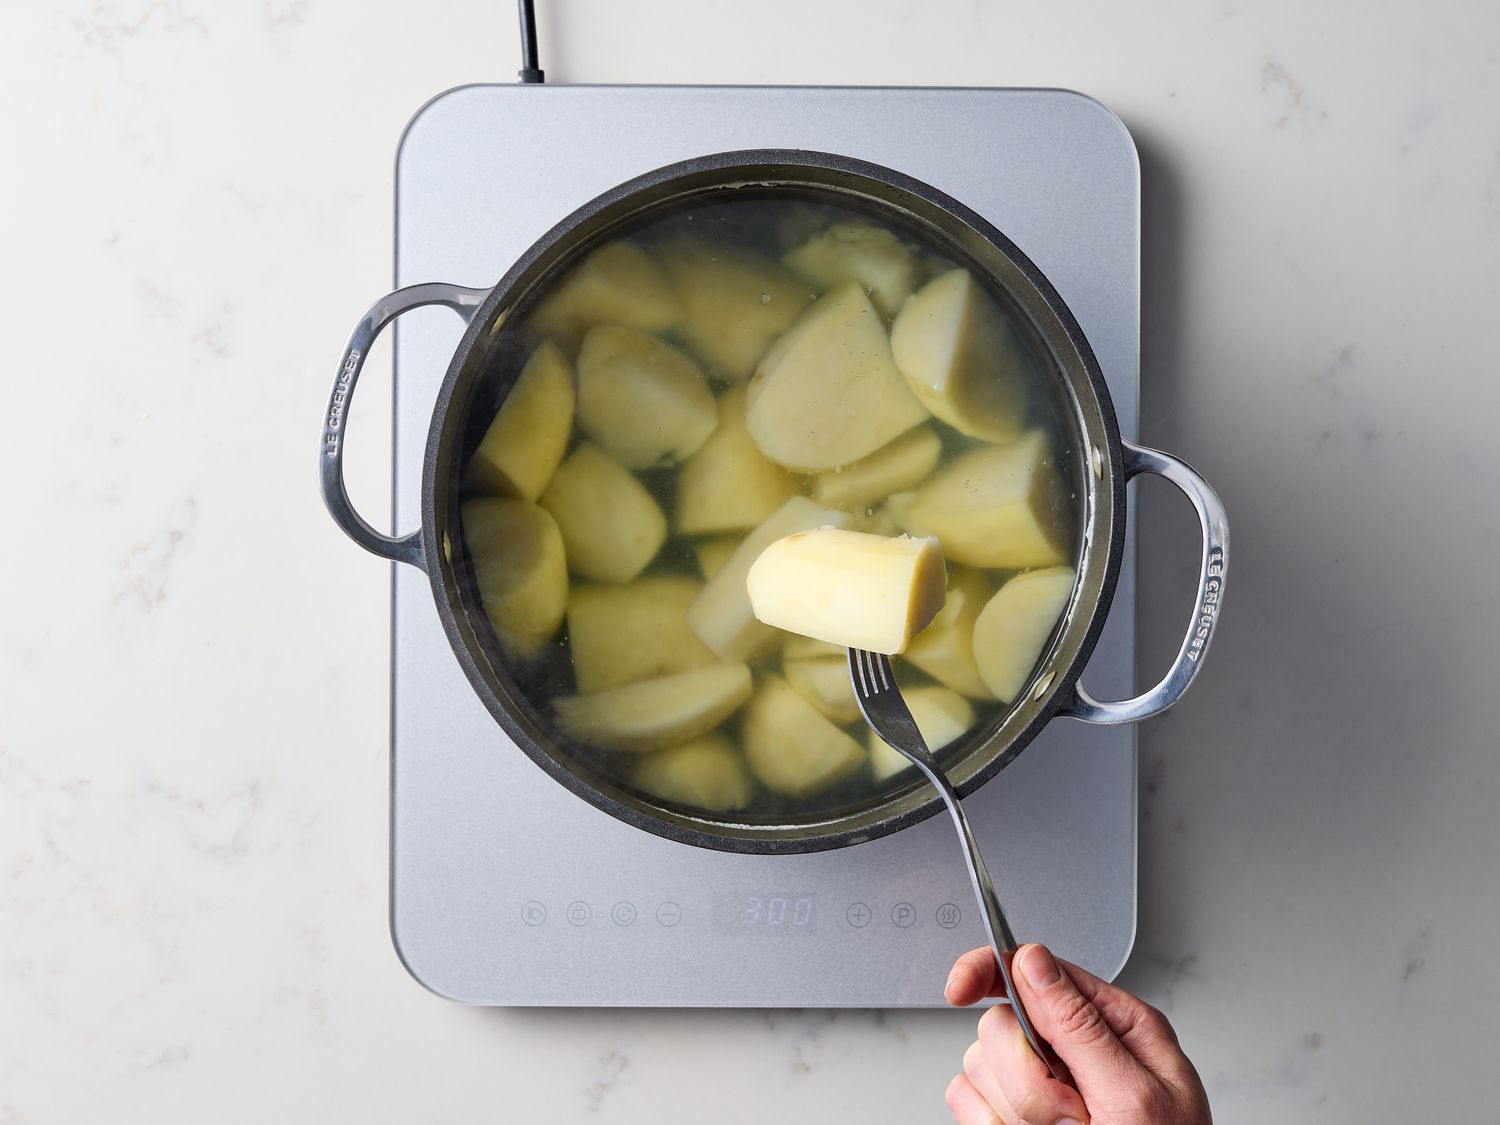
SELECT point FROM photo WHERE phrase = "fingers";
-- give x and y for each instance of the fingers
(1075, 1027)
(968, 1105)
(981, 1076)
(1030, 1092)
(973, 978)
(1143, 1030)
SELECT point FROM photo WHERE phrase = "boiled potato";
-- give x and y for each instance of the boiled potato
(794, 646)
(878, 521)
(963, 358)
(790, 746)
(1013, 629)
(1001, 506)
(640, 399)
(798, 222)
(945, 649)
(870, 255)
(617, 284)
(728, 485)
(828, 393)
(712, 554)
(931, 266)
(941, 715)
(706, 773)
(826, 685)
(892, 468)
(528, 437)
(610, 524)
(655, 714)
(520, 569)
(639, 631)
(734, 303)
(849, 588)
(721, 615)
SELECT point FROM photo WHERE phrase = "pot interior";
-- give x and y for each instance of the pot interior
(692, 275)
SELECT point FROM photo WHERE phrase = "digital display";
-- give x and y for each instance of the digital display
(768, 912)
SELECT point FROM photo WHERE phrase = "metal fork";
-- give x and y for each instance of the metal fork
(883, 708)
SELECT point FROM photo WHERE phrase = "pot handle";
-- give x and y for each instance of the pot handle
(1211, 516)
(460, 299)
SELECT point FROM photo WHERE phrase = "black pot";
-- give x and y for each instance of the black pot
(1109, 462)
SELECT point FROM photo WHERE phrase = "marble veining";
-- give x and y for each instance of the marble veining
(193, 661)
(1288, 96)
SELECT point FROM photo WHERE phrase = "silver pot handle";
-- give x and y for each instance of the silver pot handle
(1200, 632)
(407, 548)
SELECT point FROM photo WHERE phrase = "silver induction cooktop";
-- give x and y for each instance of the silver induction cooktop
(507, 889)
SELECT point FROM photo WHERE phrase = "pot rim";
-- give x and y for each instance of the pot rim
(1060, 694)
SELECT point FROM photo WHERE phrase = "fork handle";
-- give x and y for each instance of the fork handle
(1002, 940)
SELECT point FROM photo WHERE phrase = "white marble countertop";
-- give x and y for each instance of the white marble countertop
(197, 201)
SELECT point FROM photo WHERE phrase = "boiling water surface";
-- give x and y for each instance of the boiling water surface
(717, 367)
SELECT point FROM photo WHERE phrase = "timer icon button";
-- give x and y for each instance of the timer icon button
(668, 913)
(623, 913)
(948, 915)
(533, 913)
(579, 913)
(903, 914)
(858, 915)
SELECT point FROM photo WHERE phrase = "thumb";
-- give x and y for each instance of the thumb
(1070, 1021)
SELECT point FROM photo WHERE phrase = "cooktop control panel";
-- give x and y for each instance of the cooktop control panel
(507, 889)
(772, 914)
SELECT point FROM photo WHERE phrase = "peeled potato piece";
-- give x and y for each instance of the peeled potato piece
(941, 715)
(529, 435)
(722, 616)
(617, 284)
(828, 392)
(706, 773)
(900, 465)
(1013, 629)
(640, 399)
(1002, 506)
(734, 303)
(870, 255)
(520, 569)
(610, 524)
(797, 647)
(945, 649)
(622, 634)
(655, 714)
(790, 746)
(963, 359)
(728, 485)
(878, 521)
(826, 685)
(798, 222)
(849, 588)
(712, 554)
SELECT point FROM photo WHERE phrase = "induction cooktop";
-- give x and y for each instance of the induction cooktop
(506, 888)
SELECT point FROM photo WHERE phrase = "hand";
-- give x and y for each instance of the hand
(1123, 1052)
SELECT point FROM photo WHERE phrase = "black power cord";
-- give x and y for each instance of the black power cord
(530, 72)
